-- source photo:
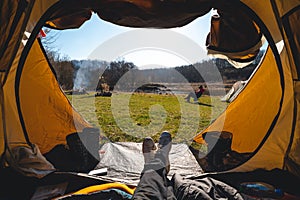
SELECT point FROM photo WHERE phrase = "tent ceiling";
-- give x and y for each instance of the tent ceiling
(232, 32)
(131, 13)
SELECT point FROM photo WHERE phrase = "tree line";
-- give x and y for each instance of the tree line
(123, 75)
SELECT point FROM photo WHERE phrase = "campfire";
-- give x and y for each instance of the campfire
(75, 91)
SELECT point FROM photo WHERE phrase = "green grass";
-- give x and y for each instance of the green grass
(131, 117)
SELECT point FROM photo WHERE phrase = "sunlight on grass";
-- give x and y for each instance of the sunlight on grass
(134, 116)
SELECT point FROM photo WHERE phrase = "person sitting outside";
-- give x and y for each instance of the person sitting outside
(195, 95)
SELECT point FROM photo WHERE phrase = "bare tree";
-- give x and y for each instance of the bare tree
(49, 41)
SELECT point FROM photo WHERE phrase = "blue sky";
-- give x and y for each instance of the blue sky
(80, 43)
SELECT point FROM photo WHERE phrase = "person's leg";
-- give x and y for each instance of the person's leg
(164, 147)
(189, 96)
(205, 188)
(154, 183)
(148, 149)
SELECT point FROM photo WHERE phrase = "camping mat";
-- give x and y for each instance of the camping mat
(124, 161)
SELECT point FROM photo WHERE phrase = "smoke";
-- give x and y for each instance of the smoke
(88, 72)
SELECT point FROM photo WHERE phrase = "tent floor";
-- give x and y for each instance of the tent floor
(124, 163)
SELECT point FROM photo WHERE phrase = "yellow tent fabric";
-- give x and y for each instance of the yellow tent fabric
(263, 119)
(2, 142)
(272, 153)
(14, 14)
(250, 115)
(293, 156)
(49, 115)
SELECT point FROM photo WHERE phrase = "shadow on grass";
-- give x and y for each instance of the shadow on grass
(90, 96)
(201, 104)
(204, 104)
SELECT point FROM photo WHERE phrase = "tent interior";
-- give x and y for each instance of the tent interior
(55, 154)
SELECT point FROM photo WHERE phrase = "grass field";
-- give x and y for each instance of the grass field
(131, 117)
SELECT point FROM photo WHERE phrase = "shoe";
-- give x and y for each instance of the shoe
(164, 147)
(148, 149)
